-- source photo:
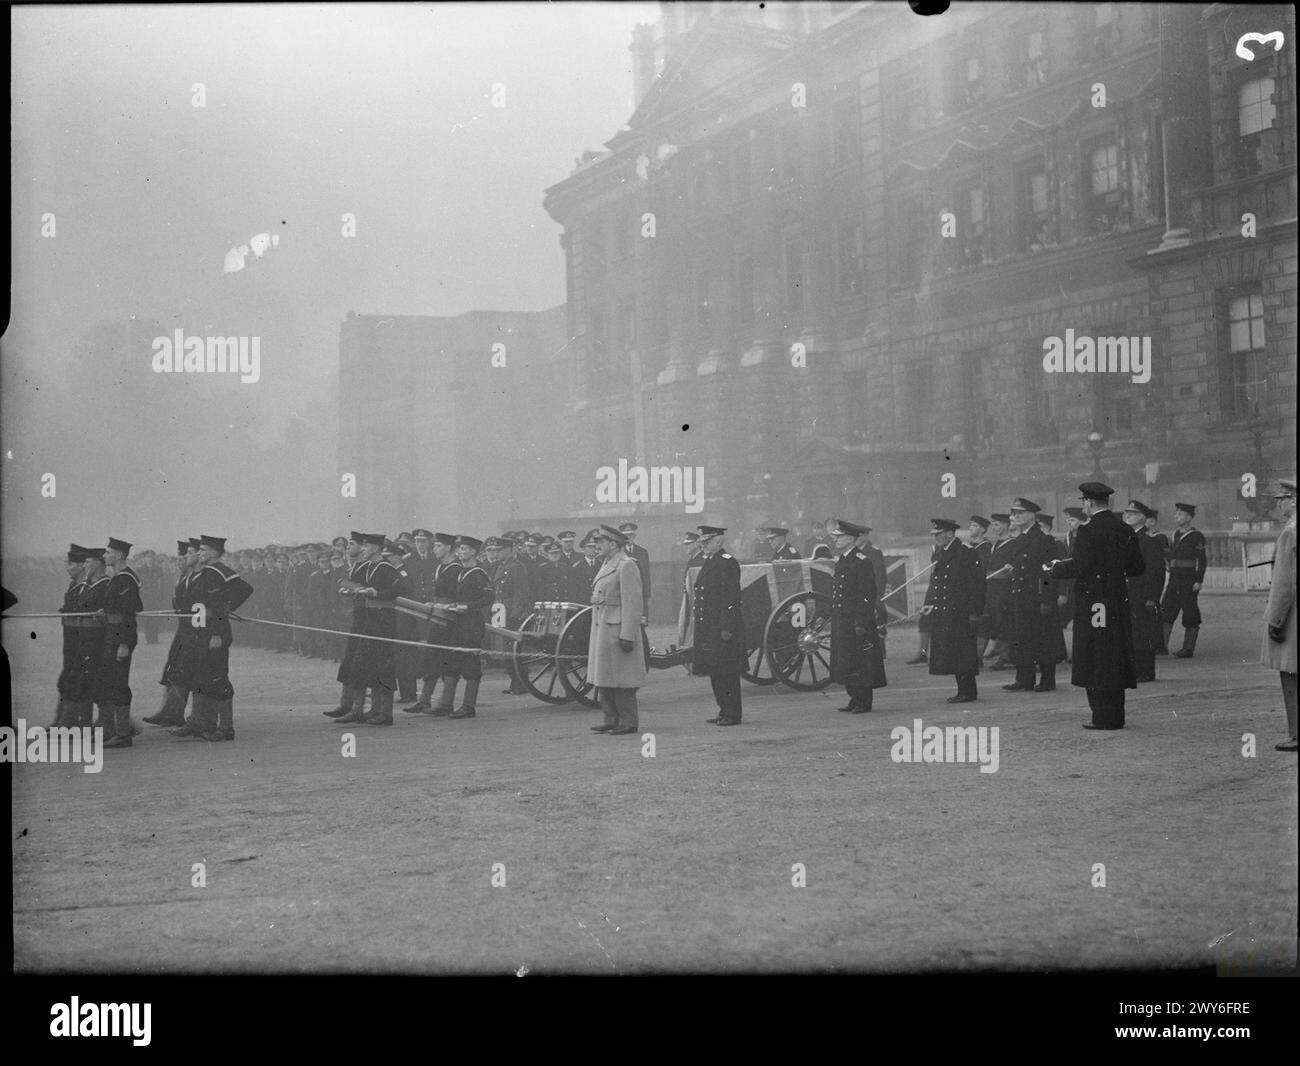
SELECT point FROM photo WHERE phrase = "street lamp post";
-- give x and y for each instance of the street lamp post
(1095, 444)
(1257, 505)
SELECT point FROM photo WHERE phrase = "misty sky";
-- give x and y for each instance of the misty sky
(311, 111)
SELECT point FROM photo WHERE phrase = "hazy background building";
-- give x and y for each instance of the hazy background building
(797, 171)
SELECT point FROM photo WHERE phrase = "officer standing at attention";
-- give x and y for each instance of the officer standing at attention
(1106, 553)
(642, 560)
(1039, 645)
(955, 603)
(720, 650)
(780, 546)
(857, 660)
(1144, 594)
(1187, 563)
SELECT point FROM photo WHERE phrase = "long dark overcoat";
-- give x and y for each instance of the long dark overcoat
(855, 659)
(716, 609)
(1105, 553)
(1035, 628)
(956, 593)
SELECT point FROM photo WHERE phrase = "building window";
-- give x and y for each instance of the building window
(846, 131)
(1247, 359)
(627, 324)
(740, 172)
(1031, 65)
(703, 306)
(1255, 109)
(744, 291)
(848, 240)
(1103, 196)
(909, 101)
(1101, 33)
(1031, 207)
(598, 336)
(794, 275)
(972, 227)
(1255, 113)
(967, 85)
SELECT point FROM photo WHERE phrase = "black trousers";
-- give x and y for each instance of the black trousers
(726, 691)
(966, 685)
(1107, 707)
(1180, 597)
(862, 695)
(1025, 675)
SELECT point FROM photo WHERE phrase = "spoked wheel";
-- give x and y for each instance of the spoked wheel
(797, 640)
(574, 641)
(534, 658)
(757, 670)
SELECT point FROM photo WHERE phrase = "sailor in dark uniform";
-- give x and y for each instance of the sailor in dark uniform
(1187, 565)
(473, 597)
(549, 578)
(512, 587)
(1144, 594)
(720, 649)
(954, 602)
(1153, 530)
(113, 678)
(857, 661)
(781, 548)
(441, 592)
(81, 683)
(176, 693)
(351, 706)
(220, 590)
(414, 573)
(76, 568)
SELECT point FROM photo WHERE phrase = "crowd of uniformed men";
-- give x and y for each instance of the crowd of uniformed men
(1012, 586)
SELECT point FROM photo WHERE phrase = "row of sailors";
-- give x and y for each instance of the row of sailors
(100, 635)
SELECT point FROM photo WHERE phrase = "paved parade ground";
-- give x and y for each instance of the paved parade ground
(615, 862)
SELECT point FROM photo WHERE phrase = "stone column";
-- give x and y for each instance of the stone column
(1184, 88)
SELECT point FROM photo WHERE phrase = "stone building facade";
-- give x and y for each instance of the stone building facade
(824, 256)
